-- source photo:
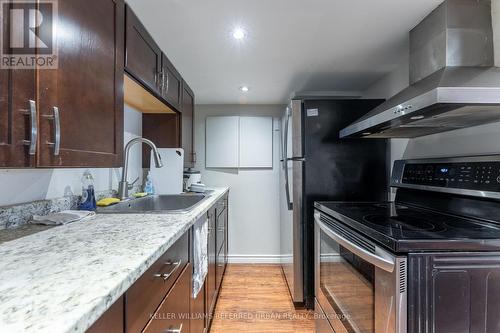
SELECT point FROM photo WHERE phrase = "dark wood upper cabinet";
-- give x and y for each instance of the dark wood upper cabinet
(170, 83)
(143, 57)
(17, 114)
(81, 102)
(188, 126)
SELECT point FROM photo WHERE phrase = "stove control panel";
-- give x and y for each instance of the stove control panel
(475, 176)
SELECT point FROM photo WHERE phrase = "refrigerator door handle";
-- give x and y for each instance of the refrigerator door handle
(285, 159)
(296, 159)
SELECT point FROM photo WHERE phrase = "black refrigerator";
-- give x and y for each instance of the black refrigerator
(319, 166)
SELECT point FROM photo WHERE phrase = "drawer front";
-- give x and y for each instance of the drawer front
(147, 293)
(173, 314)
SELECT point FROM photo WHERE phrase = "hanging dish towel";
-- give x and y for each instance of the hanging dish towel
(64, 217)
(200, 254)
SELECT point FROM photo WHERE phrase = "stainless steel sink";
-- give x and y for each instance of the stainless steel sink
(178, 203)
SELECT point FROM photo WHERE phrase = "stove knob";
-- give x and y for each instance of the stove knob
(498, 179)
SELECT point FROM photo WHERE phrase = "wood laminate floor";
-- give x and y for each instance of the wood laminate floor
(255, 299)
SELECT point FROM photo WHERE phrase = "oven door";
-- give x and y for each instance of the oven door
(360, 287)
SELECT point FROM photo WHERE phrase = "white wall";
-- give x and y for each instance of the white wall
(254, 233)
(24, 185)
(478, 140)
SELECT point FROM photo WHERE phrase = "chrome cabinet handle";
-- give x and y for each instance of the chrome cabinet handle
(34, 128)
(57, 130)
(165, 276)
(162, 81)
(168, 82)
(174, 330)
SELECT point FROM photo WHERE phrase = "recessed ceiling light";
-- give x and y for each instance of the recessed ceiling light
(239, 33)
(244, 89)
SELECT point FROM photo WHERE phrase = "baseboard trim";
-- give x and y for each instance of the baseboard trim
(254, 259)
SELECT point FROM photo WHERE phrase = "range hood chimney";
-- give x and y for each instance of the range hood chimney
(453, 81)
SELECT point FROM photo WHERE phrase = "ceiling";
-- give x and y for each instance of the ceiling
(290, 45)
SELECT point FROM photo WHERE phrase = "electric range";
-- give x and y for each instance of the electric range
(429, 261)
(404, 228)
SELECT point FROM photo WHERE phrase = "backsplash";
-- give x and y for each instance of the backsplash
(17, 215)
(20, 214)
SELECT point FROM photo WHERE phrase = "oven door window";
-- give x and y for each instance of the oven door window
(346, 283)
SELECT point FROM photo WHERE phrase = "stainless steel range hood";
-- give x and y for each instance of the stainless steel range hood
(454, 83)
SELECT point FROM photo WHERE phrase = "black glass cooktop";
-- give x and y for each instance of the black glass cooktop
(405, 229)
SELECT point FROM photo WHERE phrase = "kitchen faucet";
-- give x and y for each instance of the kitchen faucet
(124, 186)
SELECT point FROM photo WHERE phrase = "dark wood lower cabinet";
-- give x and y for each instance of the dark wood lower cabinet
(150, 289)
(212, 253)
(173, 314)
(198, 312)
(161, 300)
(112, 321)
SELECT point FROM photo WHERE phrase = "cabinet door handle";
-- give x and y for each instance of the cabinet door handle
(165, 276)
(174, 330)
(168, 83)
(57, 130)
(34, 128)
(163, 88)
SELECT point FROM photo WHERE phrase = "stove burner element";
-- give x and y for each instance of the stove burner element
(402, 222)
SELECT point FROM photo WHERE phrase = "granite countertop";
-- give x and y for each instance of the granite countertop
(65, 278)
(7, 235)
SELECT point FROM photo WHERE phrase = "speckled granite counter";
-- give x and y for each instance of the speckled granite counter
(64, 279)
(7, 235)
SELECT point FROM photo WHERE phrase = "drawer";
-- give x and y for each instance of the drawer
(173, 314)
(143, 298)
(321, 321)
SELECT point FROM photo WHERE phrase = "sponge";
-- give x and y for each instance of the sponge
(107, 202)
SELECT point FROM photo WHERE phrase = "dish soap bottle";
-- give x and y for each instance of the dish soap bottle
(149, 187)
(88, 194)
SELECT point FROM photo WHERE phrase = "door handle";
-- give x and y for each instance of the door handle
(165, 276)
(168, 83)
(174, 330)
(285, 160)
(57, 130)
(34, 128)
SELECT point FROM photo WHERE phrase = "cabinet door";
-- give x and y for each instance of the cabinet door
(173, 313)
(212, 252)
(256, 142)
(222, 142)
(187, 126)
(17, 88)
(170, 82)
(81, 103)
(112, 320)
(142, 55)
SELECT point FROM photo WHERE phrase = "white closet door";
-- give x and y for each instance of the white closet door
(256, 142)
(221, 140)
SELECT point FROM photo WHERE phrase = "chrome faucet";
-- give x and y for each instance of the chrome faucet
(124, 186)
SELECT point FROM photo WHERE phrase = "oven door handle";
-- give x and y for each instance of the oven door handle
(381, 258)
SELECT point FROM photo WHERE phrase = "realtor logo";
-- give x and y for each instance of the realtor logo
(28, 34)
